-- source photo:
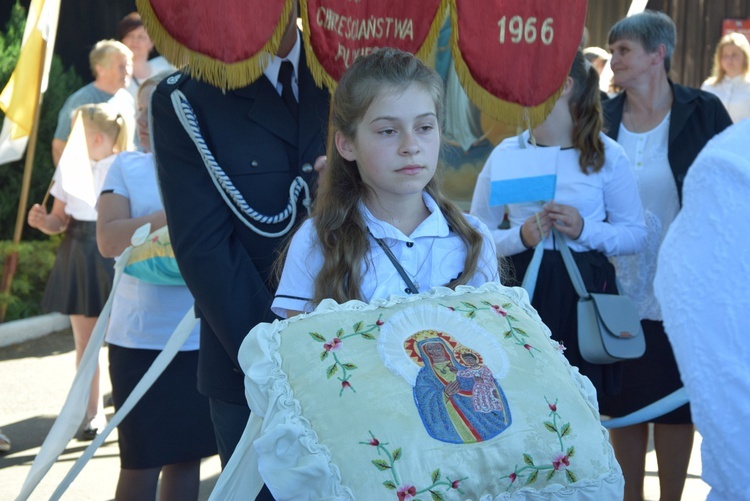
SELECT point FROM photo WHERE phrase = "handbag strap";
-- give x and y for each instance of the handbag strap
(570, 265)
(412, 288)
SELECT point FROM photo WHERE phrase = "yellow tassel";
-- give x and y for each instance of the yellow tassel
(226, 76)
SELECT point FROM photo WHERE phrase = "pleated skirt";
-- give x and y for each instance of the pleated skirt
(81, 278)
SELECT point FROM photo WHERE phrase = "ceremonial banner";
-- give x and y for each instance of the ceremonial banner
(76, 175)
(223, 44)
(19, 98)
(513, 57)
(337, 31)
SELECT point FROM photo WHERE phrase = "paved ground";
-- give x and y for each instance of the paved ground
(34, 379)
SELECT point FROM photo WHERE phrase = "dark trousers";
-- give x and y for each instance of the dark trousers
(229, 421)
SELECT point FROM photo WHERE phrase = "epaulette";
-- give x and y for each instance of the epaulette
(175, 80)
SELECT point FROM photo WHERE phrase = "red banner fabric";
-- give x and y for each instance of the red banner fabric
(223, 42)
(512, 56)
(337, 31)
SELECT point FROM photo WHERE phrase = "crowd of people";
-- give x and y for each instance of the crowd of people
(379, 226)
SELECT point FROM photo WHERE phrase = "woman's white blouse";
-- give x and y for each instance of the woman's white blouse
(607, 200)
(734, 93)
(432, 256)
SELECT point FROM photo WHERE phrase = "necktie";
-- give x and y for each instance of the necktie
(287, 93)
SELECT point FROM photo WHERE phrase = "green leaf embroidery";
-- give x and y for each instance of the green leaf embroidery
(507, 305)
(436, 496)
(471, 314)
(349, 366)
(340, 333)
(367, 335)
(332, 370)
(382, 464)
(397, 454)
(436, 475)
(468, 305)
(508, 334)
(571, 476)
(571, 452)
(512, 318)
(551, 427)
(318, 337)
(389, 484)
(550, 474)
(528, 460)
(521, 332)
(323, 355)
(532, 477)
(565, 430)
(358, 326)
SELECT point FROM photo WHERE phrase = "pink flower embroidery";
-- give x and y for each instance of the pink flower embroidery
(553, 407)
(379, 322)
(451, 308)
(334, 345)
(454, 484)
(560, 459)
(528, 347)
(345, 385)
(406, 492)
(499, 310)
(374, 442)
(512, 477)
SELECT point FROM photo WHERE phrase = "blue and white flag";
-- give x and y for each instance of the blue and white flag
(522, 176)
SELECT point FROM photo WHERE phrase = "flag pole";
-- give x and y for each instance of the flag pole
(11, 260)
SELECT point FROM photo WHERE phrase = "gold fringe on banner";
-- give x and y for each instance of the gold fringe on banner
(323, 78)
(503, 111)
(226, 76)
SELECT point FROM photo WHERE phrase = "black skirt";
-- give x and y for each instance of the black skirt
(81, 278)
(556, 301)
(649, 378)
(171, 423)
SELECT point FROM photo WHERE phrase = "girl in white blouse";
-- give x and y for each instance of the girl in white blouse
(596, 206)
(81, 278)
(380, 224)
(730, 76)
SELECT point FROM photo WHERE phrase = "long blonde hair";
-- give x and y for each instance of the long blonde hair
(104, 118)
(738, 40)
(340, 227)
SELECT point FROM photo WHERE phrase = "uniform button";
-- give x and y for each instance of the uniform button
(410, 244)
(254, 163)
(407, 290)
(307, 168)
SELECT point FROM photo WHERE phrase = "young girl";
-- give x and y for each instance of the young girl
(157, 438)
(380, 225)
(81, 279)
(595, 206)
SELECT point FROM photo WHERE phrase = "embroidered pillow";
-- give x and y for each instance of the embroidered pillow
(153, 261)
(444, 395)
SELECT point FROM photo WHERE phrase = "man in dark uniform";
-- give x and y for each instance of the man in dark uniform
(262, 143)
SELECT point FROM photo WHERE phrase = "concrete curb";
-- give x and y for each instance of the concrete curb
(26, 329)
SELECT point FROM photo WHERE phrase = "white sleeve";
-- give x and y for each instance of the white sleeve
(508, 242)
(487, 265)
(624, 230)
(302, 265)
(115, 180)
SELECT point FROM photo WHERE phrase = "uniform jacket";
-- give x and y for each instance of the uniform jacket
(227, 266)
(697, 116)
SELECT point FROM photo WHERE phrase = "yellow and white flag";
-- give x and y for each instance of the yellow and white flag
(19, 97)
(75, 166)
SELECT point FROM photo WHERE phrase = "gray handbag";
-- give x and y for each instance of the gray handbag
(609, 327)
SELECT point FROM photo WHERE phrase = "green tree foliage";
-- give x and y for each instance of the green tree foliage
(62, 83)
(36, 252)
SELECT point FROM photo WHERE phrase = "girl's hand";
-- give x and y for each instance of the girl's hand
(37, 217)
(565, 218)
(535, 229)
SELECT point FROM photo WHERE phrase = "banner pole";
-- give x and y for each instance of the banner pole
(11, 260)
